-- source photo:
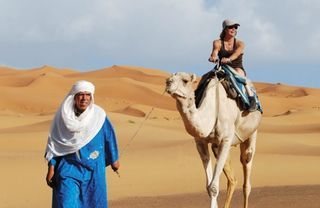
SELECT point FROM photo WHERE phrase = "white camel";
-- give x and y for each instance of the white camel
(217, 121)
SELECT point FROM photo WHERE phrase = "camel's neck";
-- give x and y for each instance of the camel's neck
(199, 122)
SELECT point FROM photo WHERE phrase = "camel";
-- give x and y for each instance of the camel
(218, 122)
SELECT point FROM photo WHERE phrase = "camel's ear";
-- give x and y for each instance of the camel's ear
(193, 78)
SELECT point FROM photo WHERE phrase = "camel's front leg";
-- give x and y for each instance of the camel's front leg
(232, 181)
(203, 150)
(223, 153)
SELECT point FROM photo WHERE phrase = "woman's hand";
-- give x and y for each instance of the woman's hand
(226, 61)
(213, 59)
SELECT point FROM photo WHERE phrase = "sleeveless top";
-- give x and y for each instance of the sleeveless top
(223, 53)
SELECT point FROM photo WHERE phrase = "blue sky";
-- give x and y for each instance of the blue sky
(282, 37)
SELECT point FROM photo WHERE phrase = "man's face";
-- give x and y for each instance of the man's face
(82, 100)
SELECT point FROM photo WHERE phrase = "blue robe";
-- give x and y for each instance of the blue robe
(80, 178)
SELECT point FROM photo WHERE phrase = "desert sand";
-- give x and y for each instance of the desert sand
(160, 166)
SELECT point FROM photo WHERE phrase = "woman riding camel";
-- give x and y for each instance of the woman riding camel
(229, 50)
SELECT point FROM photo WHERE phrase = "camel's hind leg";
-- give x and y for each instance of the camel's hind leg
(232, 181)
(247, 149)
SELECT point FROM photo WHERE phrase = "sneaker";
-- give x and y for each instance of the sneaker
(253, 104)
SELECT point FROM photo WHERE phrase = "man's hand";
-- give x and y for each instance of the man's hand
(50, 175)
(115, 166)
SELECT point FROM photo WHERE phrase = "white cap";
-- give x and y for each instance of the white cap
(228, 22)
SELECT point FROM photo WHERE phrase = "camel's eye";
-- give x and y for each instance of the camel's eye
(185, 81)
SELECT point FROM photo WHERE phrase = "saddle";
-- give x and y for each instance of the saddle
(233, 83)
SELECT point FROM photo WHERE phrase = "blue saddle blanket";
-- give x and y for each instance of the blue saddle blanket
(238, 82)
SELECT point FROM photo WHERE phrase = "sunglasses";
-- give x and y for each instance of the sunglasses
(232, 27)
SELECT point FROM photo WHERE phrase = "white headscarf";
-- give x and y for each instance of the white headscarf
(70, 133)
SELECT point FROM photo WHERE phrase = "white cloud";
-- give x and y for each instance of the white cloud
(166, 34)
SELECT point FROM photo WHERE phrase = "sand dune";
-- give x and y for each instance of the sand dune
(131, 111)
(138, 74)
(282, 90)
(266, 197)
(29, 128)
(160, 164)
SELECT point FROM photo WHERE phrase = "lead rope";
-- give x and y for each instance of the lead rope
(135, 134)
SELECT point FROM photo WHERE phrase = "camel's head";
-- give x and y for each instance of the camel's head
(180, 84)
